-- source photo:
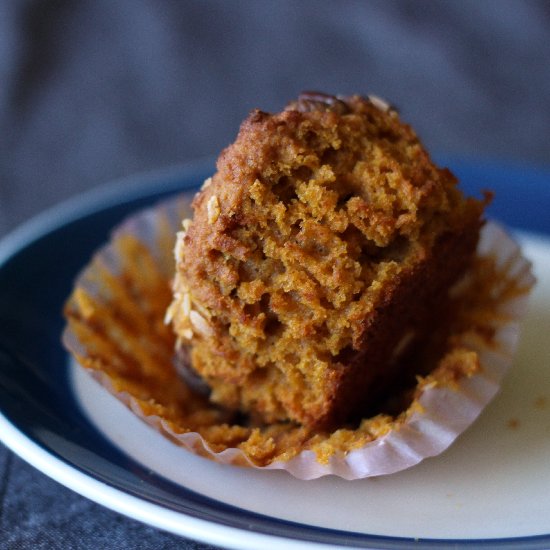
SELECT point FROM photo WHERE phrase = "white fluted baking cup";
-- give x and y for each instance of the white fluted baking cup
(115, 330)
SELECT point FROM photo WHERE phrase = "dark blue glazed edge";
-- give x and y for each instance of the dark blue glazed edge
(33, 375)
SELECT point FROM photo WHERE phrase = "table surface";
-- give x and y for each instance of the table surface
(95, 91)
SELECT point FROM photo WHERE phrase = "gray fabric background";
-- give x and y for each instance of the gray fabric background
(94, 90)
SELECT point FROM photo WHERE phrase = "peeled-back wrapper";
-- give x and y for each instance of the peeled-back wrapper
(116, 330)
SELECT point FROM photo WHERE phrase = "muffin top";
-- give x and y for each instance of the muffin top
(309, 212)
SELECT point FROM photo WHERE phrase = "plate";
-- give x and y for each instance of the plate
(490, 489)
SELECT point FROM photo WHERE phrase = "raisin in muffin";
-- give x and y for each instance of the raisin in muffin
(320, 252)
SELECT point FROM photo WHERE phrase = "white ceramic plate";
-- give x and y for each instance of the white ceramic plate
(490, 489)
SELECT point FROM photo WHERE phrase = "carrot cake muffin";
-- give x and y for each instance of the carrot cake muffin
(320, 254)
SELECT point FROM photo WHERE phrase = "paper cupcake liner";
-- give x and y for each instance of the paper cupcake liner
(116, 331)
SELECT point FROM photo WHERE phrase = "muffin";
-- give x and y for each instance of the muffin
(320, 256)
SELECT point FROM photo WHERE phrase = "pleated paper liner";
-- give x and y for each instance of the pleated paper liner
(116, 330)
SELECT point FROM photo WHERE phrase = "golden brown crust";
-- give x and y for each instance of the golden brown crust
(326, 236)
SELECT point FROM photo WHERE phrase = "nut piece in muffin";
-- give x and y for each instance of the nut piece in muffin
(320, 252)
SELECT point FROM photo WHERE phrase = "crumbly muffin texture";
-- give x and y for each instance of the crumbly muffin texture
(320, 252)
